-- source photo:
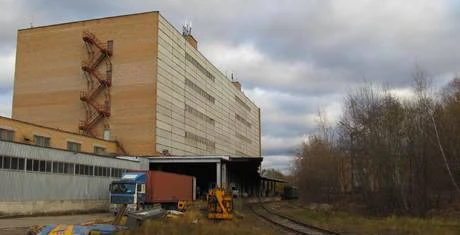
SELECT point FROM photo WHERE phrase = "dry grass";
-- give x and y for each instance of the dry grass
(354, 224)
(195, 222)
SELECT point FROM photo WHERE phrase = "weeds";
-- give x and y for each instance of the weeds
(195, 222)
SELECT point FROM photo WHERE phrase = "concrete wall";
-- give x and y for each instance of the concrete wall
(24, 133)
(45, 207)
(48, 77)
(199, 111)
(25, 191)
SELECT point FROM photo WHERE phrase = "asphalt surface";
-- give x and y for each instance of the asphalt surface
(16, 226)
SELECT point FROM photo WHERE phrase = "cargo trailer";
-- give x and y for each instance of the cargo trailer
(141, 189)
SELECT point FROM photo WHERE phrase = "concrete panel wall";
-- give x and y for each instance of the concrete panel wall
(43, 207)
(199, 111)
(32, 191)
(48, 77)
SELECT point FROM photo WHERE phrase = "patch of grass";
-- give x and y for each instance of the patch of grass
(354, 224)
(195, 222)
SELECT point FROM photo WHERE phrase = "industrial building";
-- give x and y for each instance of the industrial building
(134, 79)
(33, 134)
(35, 179)
(123, 93)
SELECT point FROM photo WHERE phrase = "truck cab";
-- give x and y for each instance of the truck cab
(129, 190)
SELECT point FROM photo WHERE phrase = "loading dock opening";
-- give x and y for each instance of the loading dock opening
(238, 174)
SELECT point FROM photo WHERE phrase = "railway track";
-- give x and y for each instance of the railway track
(290, 225)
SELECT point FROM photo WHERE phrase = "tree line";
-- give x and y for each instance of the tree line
(394, 155)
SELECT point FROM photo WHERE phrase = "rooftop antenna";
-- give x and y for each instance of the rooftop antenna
(187, 28)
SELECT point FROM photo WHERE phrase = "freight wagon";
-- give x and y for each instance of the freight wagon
(141, 189)
(289, 192)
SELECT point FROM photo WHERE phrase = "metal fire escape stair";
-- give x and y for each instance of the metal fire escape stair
(98, 84)
(91, 39)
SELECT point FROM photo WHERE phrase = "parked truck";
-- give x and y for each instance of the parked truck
(141, 189)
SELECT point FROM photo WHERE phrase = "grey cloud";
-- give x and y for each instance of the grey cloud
(384, 47)
(5, 103)
(6, 71)
(280, 162)
(308, 53)
(289, 148)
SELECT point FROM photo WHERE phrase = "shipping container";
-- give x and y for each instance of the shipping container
(165, 187)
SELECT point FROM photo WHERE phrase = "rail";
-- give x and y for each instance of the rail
(287, 223)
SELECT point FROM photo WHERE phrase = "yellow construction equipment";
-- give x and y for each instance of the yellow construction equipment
(220, 205)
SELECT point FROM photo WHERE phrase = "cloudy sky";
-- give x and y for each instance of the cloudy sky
(293, 57)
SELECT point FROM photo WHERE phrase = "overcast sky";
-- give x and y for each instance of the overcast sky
(292, 57)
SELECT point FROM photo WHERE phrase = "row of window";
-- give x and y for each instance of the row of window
(242, 120)
(34, 165)
(244, 105)
(199, 90)
(199, 67)
(43, 141)
(201, 140)
(199, 114)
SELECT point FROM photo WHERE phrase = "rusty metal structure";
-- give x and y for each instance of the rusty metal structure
(98, 84)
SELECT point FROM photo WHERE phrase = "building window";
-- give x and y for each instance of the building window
(6, 162)
(58, 167)
(242, 103)
(116, 172)
(199, 67)
(101, 171)
(196, 139)
(81, 169)
(99, 150)
(7, 135)
(21, 164)
(42, 141)
(13, 163)
(74, 147)
(242, 120)
(199, 90)
(29, 163)
(35, 165)
(199, 114)
(63, 168)
(48, 166)
(42, 166)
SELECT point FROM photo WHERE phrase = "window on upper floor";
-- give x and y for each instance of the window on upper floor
(6, 134)
(99, 150)
(41, 141)
(74, 147)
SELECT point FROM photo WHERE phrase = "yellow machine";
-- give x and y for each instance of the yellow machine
(220, 205)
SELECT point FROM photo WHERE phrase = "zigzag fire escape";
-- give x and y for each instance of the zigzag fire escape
(97, 84)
